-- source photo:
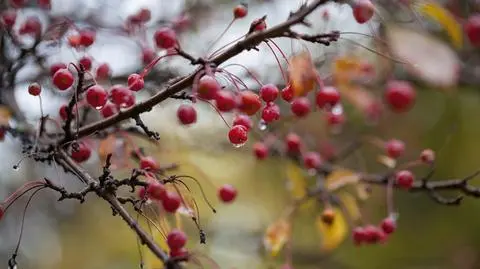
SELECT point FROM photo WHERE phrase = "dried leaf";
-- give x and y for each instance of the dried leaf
(346, 68)
(341, 177)
(277, 234)
(302, 73)
(107, 146)
(351, 205)
(332, 234)
(5, 115)
(387, 161)
(296, 180)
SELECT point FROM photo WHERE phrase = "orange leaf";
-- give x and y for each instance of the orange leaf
(302, 73)
(276, 236)
(106, 147)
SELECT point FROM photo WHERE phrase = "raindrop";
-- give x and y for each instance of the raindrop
(262, 125)
(238, 145)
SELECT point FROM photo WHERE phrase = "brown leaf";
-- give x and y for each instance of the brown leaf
(302, 73)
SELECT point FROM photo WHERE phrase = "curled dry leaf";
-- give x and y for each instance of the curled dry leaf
(276, 235)
(302, 73)
(340, 178)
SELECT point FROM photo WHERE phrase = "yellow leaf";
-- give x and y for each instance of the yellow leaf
(340, 178)
(277, 234)
(387, 161)
(302, 73)
(332, 234)
(351, 205)
(296, 180)
(345, 68)
(5, 115)
(445, 19)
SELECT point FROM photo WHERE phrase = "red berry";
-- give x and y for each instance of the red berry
(87, 37)
(144, 15)
(271, 113)
(404, 179)
(156, 191)
(181, 22)
(208, 88)
(17, 3)
(63, 79)
(258, 25)
(82, 153)
(121, 96)
(472, 29)
(142, 193)
(269, 92)
(227, 193)
(400, 95)
(8, 18)
(103, 71)
(249, 102)
(148, 55)
(363, 10)
(63, 112)
(176, 239)
(96, 96)
(260, 150)
(312, 160)
(165, 38)
(34, 89)
(243, 120)
(108, 110)
(287, 93)
(74, 41)
(135, 82)
(300, 107)
(55, 67)
(327, 96)
(186, 114)
(373, 234)
(427, 156)
(293, 142)
(388, 225)
(2, 212)
(171, 201)
(240, 11)
(44, 4)
(335, 119)
(225, 101)
(31, 26)
(181, 253)
(86, 62)
(148, 163)
(238, 135)
(359, 235)
(395, 148)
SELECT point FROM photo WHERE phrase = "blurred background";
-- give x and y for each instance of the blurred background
(430, 236)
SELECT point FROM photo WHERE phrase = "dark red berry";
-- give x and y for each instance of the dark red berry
(109, 110)
(176, 239)
(165, 38)
(287, 93)
(8, 18)
(270, 113)
(372, 234)
(156, 191)
(300, 107)
(363, 10)
(55, 67)
(260, 150)
(87, 37)
(63, 112)
(103, 71)
(34, 89)
(148, 163)
(472, 29)
(18, 3)
(31, 26)
(427, 156)
(269, 92)
(249, 102)
(359, 235)
(181, 253)
(388, 225)
(120, 95)
(327, 96)
(400, 95)
(227, 193)
(293, 142)
(2, 212)
(45, 4)
(135, 82)
(243, 120)
(82, 153)
(63, 79)
(312, 160)
(208, 88)
(171, 202)
(238, 135)
(186, 114)
(225, 101)
(86, 62)
(240, 11)
(258, 25)
(96, 96)
(394, 148)
(404, 179)
(142, 193)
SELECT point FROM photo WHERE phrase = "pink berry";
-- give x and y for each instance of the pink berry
(148, 55)
(87, 37)
(186, 114)
(8, 18)
(404, 179)
(165, 38)
(249, 102)
(293, 142)
(388, 225)
(335, 119)
(300, 107)
(238, 135)
(176, 239)
(148, 163)
(240, 11)
(312, 160)
(427, 156)
(86, 62)
(227, 193)
(327, 96)
(243, 120)
(270, 113)
(363, 10)
(171, 201)
(395, 148)
(82, 153)
(359, 235)
(63, 79)
(260, 150)
(144, 15)
(225, 101)
(472, 29)
(31, 26)
(103, 71)
(156, 191)
(373, 234)
(96, 96)
(34, 89)
(269, 92)
(135, 82)
(208, 87)
(108, 110)
(55, 67)
(400, 95)
(287, 93)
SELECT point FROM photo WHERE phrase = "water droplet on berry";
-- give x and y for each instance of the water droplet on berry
(262, 125)
(238, 145)
(98, 107)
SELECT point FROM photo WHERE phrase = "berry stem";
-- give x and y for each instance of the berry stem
(220, 36)
(248, 71)
(278, 62)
